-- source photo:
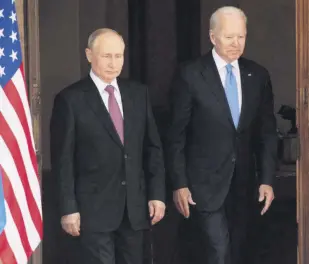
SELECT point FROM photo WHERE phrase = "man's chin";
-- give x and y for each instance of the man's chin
(234, 57)
(110, 78)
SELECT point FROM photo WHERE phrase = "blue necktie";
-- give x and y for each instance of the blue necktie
(232, 93)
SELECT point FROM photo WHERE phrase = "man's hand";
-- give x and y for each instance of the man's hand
(182, 198)
(267, 194)
(156, 211)
(71, 224)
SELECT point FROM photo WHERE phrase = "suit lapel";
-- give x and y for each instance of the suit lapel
(127, 105)
(95, 102)
(213, 82)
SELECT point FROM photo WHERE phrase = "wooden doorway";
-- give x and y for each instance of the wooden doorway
(302, 85)
(29, 14)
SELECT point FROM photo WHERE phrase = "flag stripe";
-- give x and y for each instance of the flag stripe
(7, 255)
(16, 103)
(11, 171)
(10, 116)
(13, 238)
(16, 213)
(19, 83)
(16, 174)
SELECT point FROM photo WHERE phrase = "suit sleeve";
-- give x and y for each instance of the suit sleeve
(181, 107)
(266, 135)
(62, 154)
(155, 171)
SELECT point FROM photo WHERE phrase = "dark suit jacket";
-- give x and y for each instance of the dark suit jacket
(204, 149)
(96, 174)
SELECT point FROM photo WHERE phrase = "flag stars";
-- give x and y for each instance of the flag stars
(1, 33)
(13, 36)
(13, 55)
(13, 17)
(1, 13)
(2, 73)
(1, 52)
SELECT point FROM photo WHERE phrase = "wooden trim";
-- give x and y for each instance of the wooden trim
(19, 5)
(33, 63)
(31, 10)
(302, 86)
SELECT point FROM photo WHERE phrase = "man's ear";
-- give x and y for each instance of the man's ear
(88, 54)
(212, 37)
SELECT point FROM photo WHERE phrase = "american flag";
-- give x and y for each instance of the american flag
(21, 210)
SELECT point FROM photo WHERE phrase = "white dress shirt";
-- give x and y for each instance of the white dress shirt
(221, 66)
(101, 85)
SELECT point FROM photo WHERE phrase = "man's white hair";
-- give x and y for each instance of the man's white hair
(225, 10)
(101, 31)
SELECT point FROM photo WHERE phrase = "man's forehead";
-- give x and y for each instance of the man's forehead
(229, 23)
(231, 18)
(108, 39)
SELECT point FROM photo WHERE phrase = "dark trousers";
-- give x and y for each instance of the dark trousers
(227, 231)
(122, 246)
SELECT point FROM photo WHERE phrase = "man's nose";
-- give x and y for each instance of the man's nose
(112, 63)
(236, 41)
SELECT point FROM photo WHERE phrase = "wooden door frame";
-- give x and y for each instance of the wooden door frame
(302, 85)
(32, 74)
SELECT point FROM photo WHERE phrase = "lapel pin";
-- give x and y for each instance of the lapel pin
(249, 74)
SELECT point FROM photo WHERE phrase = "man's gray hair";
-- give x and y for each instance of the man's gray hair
(225, 10)
(101, 31)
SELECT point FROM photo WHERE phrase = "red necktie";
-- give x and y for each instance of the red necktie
(114, 111)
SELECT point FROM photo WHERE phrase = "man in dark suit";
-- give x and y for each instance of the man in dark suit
(106, 155)
(222, 126)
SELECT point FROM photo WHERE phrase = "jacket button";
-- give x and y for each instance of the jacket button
(123, 183)
(125, 156)
(233, 159)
